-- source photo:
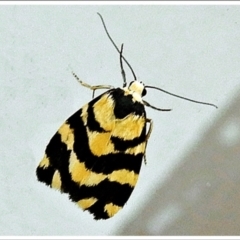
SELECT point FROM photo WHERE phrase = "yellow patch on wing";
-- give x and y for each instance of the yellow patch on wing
(111, 209)
(129, 128)
(80, 174)
(45, 162)
(84, 114)
(83, 176)
(103, 112)
(56, 180)
(124, 176)
(100, 143)
(140, 148)
(67, 135)
(86, 202)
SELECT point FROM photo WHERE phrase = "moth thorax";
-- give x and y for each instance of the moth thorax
(137, 88)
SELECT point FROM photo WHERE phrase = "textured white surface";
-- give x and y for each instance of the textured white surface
(192, 51)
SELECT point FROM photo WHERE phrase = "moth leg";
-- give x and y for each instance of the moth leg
(150, 121)
(151, 106)
(94, 88)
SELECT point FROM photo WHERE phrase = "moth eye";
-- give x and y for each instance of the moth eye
(144, 92)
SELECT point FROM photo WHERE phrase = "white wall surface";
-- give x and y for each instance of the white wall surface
(192, 51)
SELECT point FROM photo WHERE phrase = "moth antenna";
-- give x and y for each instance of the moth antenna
(114, 44)
(188, 99)
(122, 69)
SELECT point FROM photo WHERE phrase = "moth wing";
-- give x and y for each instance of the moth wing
(74, 136)
(112, 177)
(95, 158)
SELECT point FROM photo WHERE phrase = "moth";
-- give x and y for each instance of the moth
(96, 155)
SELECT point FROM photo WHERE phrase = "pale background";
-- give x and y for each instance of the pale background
(190, 185)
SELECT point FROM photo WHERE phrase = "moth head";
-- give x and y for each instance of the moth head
(137, 87)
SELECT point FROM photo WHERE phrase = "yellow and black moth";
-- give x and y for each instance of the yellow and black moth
(96, 155)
